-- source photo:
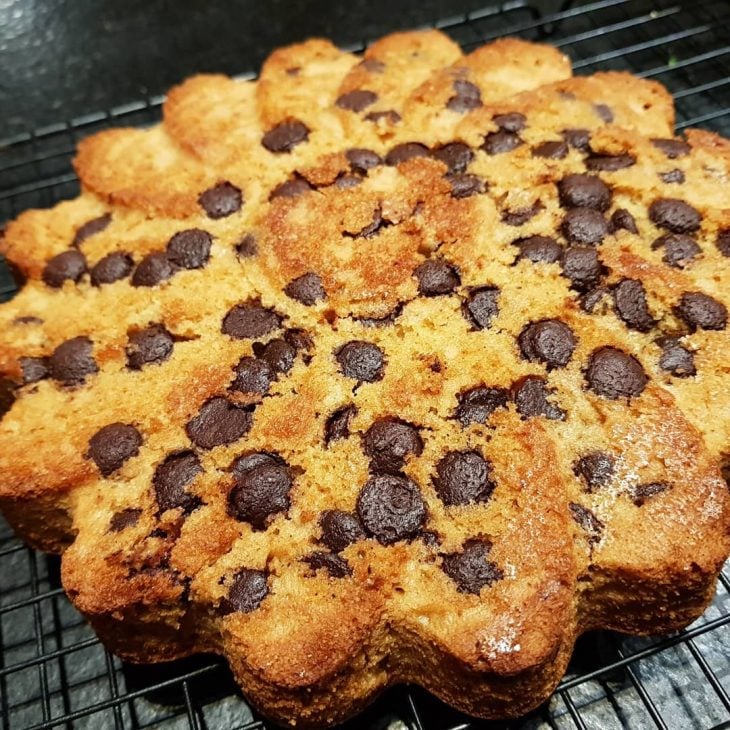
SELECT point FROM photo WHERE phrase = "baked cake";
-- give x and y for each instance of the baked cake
(407, 367)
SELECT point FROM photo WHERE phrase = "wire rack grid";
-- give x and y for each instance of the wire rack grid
(54, 673)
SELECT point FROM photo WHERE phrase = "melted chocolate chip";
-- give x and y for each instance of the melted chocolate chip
(622, 219)
(679, 249)
(582, 266)
(584, 191)
(284, 137)
(390, 115)
(584, 225)
(340, 529)
(247, 590)
(362, 361)
(549, 341)
(674, 215)
(335, 565)
(391, 508)
(125, 518)
(463, 477)
(372, 65)
(306, 289)
(497, 143)
(260, 493)
(388, 442)
(641, 492)
(346, 182)
(278, 353)
(362, 160)
(247, 246)
(436, 277)
(466, 97)
(630, 299)
(67, 266)
(480, 307)
(112, 445)
(591, 299)
(522, 215)
(171, 479)
(190, 249)
(153, 269)
(700, 310)
(406, 151)
(470, 569)
(579, 139)
(613, 374)
(292, 188)
(357, 100)
(91, 228)
(604, 112)
(337, 425)
(677, 360)
(34, 369)
(672, 176)
(531, 398)
(456, 156)
(539, 249)
(72, 361)
(723, 242)
(609, 163)
(595, 468)
(464, 185)
(510, 122)
(220, 201)
(250, 321)
(299, 340)
(587, 521)
(218, 422)
(672, 148)
(7, 395)
(153, 344)
(253, 376)
(551, 150)
(27, 319)
(477, 404)
(113, 267)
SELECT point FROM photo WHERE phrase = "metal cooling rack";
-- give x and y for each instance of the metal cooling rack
(54, 673)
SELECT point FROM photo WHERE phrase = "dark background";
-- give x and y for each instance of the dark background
(63, 58)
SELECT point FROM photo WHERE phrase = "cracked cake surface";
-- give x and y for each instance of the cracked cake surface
(407, 367)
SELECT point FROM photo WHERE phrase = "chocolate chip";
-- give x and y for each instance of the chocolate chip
(539, 249)
(477, 404)
(630, 299)
(362, 160)
(125, 518)
(66, 266)
(465, 185)
(463, 477)
(347, 182)
(595, 468)
(677, 360)
(604, 112)
(299, 339)
(700, 310)
(247, 246)
(388, 442)
(372, 228)
(672, 176)
(622, 219)
(91, 228)
(549, 341)
(591, 299)
(497, 143)
(372, 65)
(72, 361)
(456, 156)
(582, 266)
(551, 150)
(337, 425)
(291, 188)
(391, 508)
(480, 306)
(253, 376)
(172, 477)
(306, 289)
(466, 97)
(357, 100)
(390, 115)
(260, 493)
(284, 137)
(220, 201)
(587, 520)
(340, 529)
(246, 462)
(154, 268)
(112, 445)
(335, 565)
(511, 122)
(385, 321)
(113, 267)
(531, 398)
(247, 590)
(584, 191)
(190, 249)
(615, 374)
(674, 215)
(470, 569)
(361, 361)
(34, 369)
(7, 395)
(672, 148)
(679, 249)
(436, 277)
(723, 242)
(521, 216)
(406, 151)
(584, 225)
(641, 492)
(250, 321)
(278, 353)
(218, 422)
(153, 344)
(579, 139)
(609, 163)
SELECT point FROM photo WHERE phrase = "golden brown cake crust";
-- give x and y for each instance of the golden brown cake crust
(402, 368)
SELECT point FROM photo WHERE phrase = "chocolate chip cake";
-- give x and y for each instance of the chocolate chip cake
(408, 367)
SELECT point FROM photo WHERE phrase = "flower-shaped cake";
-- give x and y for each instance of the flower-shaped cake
(403, 368)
